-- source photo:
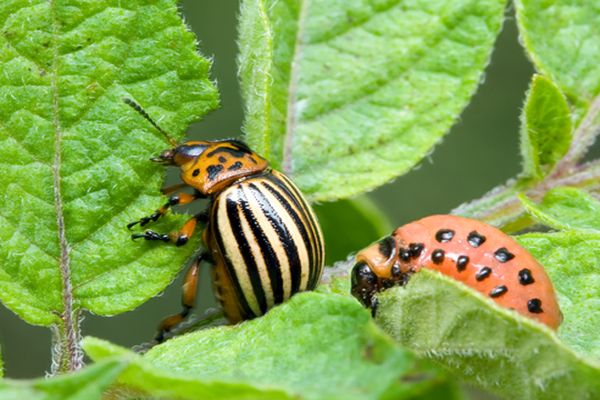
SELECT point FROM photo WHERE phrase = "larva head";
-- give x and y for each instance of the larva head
(211, 166)
(376, 268)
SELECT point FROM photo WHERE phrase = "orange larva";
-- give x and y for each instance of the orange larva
(467, 250)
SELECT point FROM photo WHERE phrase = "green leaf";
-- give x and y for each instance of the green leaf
(491, 347)
(75, 157)
(346, 95)
(563, 40)
(566, 208)
(88, 384)
(572, 260)
(314, 346)
(350, 224)
(545, 128)
(1, 365)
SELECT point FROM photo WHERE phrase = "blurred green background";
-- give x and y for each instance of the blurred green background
(480, 152)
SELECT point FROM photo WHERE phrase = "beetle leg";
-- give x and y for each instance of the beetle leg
(174, 200)
(188, 298)
(172, 189)
(180, 237)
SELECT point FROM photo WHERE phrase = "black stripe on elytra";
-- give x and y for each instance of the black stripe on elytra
(307, 221)
(246, 310)
(285, 238)
(234, 217)
(266, 250)
(306, 241)
(314, 281)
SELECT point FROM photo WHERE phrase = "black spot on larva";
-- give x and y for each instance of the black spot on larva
(475, 239)
(483, 273)
(503, 255)
(438, 256)
(525, 277)
(404, 254)
(386, 246)
(444, 235)
(498, 291)
(535, 306)
(253, 160)
(213, 171)
(222, 159)
(235, 166)
(461, 262)
(396, 271)
(195, 172)
(415, 249)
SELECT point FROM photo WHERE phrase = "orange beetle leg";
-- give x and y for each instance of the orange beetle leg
(175, 200)
(180, 237)
(188, 299)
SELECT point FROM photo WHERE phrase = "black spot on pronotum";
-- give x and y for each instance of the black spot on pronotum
(196, 172)
(475, 239)
(386, 246)
(498, 291)
(461, 262)
(222, 159)
(415, 249)
(525, 277)
(535, 306)
(444, 235)
(235, 166)
(213, 171)
(503, 255)
(438, 256)
(483, 273)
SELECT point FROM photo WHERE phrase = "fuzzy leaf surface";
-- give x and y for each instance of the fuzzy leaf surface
(87, 384)
(314, 346)
(345, 95)
(566, 208)
(75, 157)
(572, 260)
(349, 225)
(546, 128)
(562, 38)
(489, 346)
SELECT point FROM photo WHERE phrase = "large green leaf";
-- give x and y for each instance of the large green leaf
(566, 208)
(349, 225)
(75, 157)
(315, 346)
(546, 128)
(88, 384)
(572, 260)
(489, 346)
(346, 95)
(563, 40)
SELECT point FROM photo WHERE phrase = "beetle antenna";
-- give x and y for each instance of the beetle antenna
(144, 114)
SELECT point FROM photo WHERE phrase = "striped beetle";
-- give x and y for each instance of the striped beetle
(260, 233)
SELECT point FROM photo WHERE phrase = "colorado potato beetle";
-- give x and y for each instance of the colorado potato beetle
(470, 251)
(260, 233)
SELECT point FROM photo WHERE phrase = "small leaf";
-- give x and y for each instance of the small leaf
(566, 208)
(545, 128)
(350, 224)
(563, 41)
(344, 96)
(572, 260)
(75, 157)
(314, 346)
(491, 347)
(88, 384)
